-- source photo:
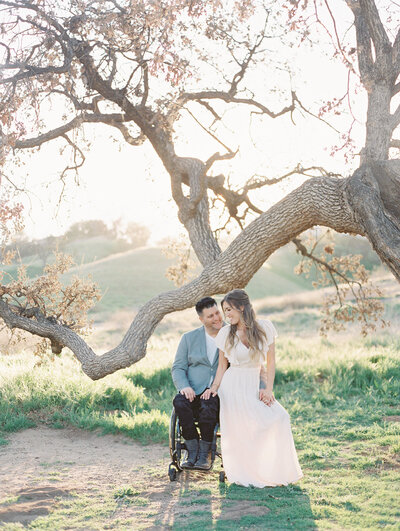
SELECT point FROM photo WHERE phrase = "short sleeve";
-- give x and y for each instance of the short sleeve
(220, 339)
(270, 330)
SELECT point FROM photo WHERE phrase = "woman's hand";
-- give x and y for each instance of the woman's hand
(267, 397)
(206, 395)
(208, 392)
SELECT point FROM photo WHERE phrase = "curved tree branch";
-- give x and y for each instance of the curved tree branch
(114, 119)
(229, 98)
(319, 201)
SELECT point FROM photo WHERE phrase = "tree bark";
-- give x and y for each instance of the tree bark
(194, 211)
(379, 124)
(374, 194)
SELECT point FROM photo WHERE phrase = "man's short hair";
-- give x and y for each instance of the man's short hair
(205, 302)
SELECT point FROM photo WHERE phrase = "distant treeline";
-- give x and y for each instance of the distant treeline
(119, 238)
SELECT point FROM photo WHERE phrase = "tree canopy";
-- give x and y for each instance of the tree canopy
(140, 67)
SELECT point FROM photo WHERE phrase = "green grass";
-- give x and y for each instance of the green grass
(341, 395)
(136, 402)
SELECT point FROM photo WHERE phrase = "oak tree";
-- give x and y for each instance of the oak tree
(139, 66)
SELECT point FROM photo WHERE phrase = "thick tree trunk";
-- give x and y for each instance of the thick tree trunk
(379, 125)
(374, 194)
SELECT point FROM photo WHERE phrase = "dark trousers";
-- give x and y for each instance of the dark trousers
(206, 411)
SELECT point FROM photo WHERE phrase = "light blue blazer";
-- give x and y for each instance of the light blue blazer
(191, 367)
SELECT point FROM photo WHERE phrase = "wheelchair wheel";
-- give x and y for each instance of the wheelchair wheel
(172, 433)
(172, 473)
(175, 443)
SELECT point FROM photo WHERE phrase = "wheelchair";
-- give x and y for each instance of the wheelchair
(177, 449)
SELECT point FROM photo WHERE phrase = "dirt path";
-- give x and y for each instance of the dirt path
(76, 454)
(75, 477)
(41, 464)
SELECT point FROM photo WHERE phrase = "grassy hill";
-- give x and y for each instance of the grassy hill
(128, 279)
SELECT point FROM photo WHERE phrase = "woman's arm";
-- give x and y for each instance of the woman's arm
(271, 367)
(222, 366)
(263, 377)
(267, 395)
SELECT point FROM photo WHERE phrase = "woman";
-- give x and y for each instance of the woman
(256, 438)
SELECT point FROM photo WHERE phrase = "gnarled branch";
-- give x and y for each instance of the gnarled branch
(319, 201)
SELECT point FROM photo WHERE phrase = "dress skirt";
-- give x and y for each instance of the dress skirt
(256, 440)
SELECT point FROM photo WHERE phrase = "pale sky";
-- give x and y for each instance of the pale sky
(121, 181)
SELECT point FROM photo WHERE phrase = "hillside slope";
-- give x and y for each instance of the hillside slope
(129, 279)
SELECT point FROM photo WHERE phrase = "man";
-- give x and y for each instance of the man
(193, 372)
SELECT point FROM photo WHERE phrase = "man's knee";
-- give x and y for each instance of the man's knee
(180, 402)
(211, 403)
(209, 410)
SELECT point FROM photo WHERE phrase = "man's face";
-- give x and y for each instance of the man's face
(211, 318)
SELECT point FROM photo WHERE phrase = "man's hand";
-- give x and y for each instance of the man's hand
(189, 393)
(267, 397)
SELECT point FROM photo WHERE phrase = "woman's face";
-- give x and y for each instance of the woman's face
(232, 314)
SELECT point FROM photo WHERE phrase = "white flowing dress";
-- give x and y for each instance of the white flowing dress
(256, 440)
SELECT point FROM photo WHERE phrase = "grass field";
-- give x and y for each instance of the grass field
(343, 398)
(143, 276)
(129, 279)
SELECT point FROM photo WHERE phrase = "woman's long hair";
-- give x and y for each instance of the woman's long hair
(256, 336)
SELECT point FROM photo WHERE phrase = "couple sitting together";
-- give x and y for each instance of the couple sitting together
(220, 375)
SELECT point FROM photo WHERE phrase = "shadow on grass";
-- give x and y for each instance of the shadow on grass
(203, 505)
(279, 507)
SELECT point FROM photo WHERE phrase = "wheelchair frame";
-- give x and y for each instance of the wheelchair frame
(177, 447)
